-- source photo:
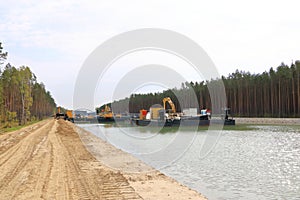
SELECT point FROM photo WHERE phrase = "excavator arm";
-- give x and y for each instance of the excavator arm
(168, 99)
(107, 112)
(107, 109)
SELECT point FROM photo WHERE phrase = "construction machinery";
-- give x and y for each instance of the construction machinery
(162, 116)
(67, 115)
(105, 115)
(158, 115)
(172, 105)
(59, 114)
(171, 113)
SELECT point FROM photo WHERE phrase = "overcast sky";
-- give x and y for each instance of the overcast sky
(55, 37)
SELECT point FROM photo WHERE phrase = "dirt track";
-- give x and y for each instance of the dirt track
(48, 161)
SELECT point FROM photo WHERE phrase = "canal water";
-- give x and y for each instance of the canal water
(263, 163)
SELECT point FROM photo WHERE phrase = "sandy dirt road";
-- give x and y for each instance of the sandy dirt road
(48, 161)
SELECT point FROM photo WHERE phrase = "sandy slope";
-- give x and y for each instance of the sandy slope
(146, 181)
(48, 161)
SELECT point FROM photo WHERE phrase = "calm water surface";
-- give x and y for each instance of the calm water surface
(256, 164)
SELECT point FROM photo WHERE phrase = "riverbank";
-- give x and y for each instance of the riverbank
(48, 160)
(146, 181)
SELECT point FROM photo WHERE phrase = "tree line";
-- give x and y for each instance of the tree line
(22, 97)
(273, 93)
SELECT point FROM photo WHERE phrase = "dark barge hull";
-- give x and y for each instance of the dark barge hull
(103, 120)
(140, 122)
(195, 121)
(110, 120)
(183, 122)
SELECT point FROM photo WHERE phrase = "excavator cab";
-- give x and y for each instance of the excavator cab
(171, 112)
(69, 116)
(106, 113)
(59, 114)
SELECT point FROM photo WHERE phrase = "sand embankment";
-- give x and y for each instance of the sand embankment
(146, 181)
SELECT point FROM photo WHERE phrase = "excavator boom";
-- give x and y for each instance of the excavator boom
(168, 99)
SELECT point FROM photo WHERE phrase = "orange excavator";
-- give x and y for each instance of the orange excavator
(67, 115)
(59, 114)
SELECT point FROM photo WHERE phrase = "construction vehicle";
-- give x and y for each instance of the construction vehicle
(161, 116)
(67, 115)
(59, 114)
(158, 115)
(105, 115)
(168, 99)
(171, 113)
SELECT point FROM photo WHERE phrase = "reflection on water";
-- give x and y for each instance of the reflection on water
(256, 164)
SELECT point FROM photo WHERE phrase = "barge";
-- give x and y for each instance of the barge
(162, 119)
(161, 116)
(184, 122)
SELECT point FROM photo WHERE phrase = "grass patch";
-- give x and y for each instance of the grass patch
(17, 127)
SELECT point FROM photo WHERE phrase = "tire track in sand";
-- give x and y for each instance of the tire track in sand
(52, 163)
(10, 143)
(15, 160)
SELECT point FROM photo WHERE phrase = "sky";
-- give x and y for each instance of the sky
(54, 38)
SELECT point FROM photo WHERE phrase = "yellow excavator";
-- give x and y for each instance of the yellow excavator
(106, 114)
(67, 115)
(59, 113)
(172, 105)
